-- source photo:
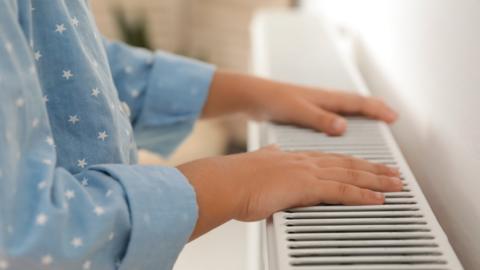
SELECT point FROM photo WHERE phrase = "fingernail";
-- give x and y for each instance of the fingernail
(397, 182)
(339, 124)
(392, 115)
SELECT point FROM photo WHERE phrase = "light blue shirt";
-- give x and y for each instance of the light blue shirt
(72, 109)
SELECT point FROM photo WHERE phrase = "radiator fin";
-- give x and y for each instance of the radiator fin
(401, 234)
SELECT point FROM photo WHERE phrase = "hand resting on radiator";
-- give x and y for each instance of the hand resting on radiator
(264, 99)
(254, 185)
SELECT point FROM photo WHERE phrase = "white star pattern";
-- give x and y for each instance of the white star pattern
(74, 21)
(87, 265)
(81, 163)
(125, 109)
(47, 161)
(77, 242)
(35, 122)
(37, 55)
(47, 259)
(128, 69)
(42, 185)
(50, 141)
(102, 135)
(8, 136)
(20, 102)
(111, 236)
(45, 98)
(70, 194)
(67, 74)
(84, 182)
(41, 219)
(108, 193)
(135, 93)
(95, 92)
(95, 64)
(60, 28)
(73, 119)
(99, 210)
(3, 264)
(9, 47)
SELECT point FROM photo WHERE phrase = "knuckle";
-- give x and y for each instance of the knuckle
(365, 194)
(342, 189)
(387, 183)
(349, 163)
(376, 105)
(362, 101)
(352, 175)
(384, 182)
(336, 155)
(297, 155)
(306, 166)
(379, 168)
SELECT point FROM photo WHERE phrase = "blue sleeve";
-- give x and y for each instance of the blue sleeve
(165, 93)
(104, 217)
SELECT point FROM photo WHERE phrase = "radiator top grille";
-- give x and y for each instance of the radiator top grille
(401, 234)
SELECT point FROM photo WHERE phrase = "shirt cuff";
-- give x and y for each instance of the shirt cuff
(163, 212)
(175, 96)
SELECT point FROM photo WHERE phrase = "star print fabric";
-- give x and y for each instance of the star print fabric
(72, 108)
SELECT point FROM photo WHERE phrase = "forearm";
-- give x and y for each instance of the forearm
(232, 92)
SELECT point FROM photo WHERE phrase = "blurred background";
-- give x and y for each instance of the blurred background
(215, 31)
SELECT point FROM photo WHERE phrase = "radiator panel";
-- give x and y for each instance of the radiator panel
(401, 234)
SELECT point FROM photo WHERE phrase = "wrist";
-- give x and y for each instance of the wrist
(232, 92)
(218, 198)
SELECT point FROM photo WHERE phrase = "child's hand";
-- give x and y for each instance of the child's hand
(317, 108)
(314, 108)
(254, 185)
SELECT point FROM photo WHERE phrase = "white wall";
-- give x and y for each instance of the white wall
(423, 56)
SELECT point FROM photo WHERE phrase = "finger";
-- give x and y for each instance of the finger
(342, 102)
(362, 179)
(325, 160)
(308, 115)
(332, 192)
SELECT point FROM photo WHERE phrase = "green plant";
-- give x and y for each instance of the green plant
(133, 31)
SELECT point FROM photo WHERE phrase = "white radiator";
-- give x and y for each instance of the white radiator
(401, 234)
